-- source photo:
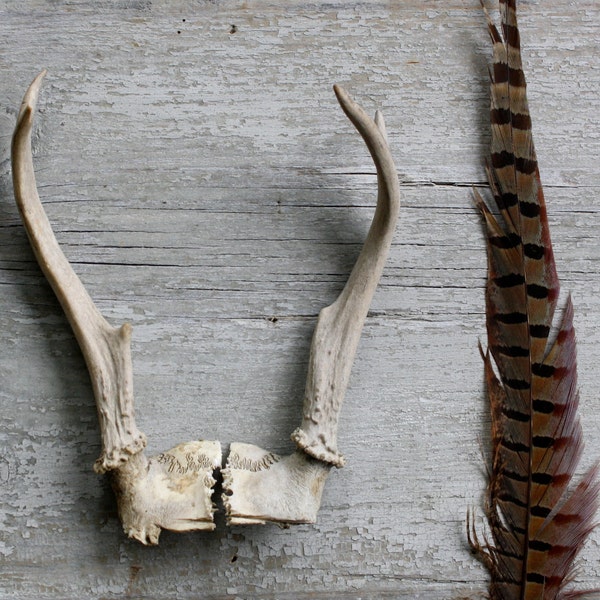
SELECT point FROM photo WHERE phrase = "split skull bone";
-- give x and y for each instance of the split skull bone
(173, 490)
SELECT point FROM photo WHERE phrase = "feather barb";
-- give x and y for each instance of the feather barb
(536, 525)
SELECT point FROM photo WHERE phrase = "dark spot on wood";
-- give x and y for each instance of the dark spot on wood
(234, 558)
(134, 571)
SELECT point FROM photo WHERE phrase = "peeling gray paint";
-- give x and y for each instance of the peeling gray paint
(207, 189)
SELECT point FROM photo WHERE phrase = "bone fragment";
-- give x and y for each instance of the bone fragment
(172, 490)
(262, 487)
(169, 491)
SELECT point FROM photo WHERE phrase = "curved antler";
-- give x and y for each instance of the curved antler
(171, 491)
(260, 486)
(106, 349)
(339, 325)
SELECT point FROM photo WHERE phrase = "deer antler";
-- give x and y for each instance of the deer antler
(171, 491)
(264, 487)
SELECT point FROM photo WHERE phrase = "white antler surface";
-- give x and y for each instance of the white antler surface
(339, 326)
(260, 486)
(173, 490)
(170, 491)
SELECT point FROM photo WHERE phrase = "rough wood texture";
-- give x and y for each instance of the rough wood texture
(206, 188)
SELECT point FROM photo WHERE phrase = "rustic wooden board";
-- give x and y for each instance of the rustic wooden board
(207, 189)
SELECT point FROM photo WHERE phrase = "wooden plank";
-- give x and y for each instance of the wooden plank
(208, 190)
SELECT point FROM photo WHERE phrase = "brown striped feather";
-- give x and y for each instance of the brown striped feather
(536, 524)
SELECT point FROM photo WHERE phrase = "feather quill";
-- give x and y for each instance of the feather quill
(537, 525)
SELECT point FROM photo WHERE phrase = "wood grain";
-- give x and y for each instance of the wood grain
(207, 188)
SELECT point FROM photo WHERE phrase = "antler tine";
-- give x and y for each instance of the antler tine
(170, 491)
(106, 349)
(339, 325)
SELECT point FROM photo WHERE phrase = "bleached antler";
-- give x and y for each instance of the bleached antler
(173, 490)
(170, 491)
(260, 486)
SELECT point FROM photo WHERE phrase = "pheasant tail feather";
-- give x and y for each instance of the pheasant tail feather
(536, 526)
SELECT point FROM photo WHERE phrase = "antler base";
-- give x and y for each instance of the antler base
(261, 487)
(170, 491)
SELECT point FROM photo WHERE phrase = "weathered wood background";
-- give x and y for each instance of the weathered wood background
(208, 189)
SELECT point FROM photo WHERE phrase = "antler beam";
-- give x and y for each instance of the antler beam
(170, 491)
(264, 487)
